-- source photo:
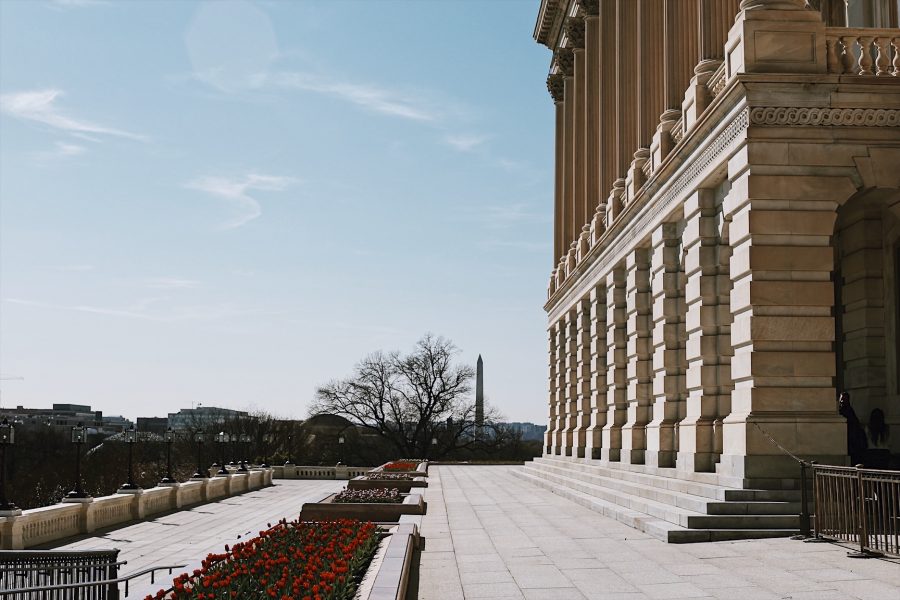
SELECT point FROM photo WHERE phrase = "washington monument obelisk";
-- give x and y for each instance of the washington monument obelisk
(479, 394)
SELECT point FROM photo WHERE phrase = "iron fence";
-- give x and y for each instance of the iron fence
(859, 506)
(56, 575)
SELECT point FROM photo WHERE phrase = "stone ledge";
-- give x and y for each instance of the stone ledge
(413, 504)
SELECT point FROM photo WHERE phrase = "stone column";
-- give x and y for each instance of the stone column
(679, 57)
(626, 87)
(598, 372)
(708, 329)
(783, 329)
(617, 365)
(669, 363)
(555, 86)
(594, 194)
(640, 365)
(716, 18)
(608, 121)
(649, 87)
(565, 62)
(580, 215)
(570, 410)
(584, 366)
(553, 419)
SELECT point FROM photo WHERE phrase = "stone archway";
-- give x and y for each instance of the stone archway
(866, 246)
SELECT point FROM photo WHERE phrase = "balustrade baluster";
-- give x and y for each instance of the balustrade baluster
(847, 59)
(896, 44)
(833, 56)
(865, 56)
(883, 60)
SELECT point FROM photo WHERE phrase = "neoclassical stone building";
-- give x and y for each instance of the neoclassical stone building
(726, 238)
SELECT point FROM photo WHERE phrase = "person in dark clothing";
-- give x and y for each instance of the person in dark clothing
(856, 435)
(879, 434)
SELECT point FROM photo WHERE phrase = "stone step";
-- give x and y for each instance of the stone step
(658, 528)
(683, 517)
(699, 504)
(670, 479)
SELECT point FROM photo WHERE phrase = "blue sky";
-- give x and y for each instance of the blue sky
(232, 202)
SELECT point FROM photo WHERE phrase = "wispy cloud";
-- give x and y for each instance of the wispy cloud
(145, 311)
(171, 283)
(236, 192)
(41, 106)
(466, 142)
(375, 98)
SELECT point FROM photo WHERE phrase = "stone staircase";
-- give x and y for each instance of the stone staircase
(672, 509)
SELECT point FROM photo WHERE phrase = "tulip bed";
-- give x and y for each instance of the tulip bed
(401, 465)
(390, 476)
(373, 496)
(295, 560)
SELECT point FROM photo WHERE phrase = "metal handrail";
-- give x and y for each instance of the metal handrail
(123, 579)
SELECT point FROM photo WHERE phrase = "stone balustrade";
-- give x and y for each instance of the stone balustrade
(47, 524)
(863, 51)
(291, 471)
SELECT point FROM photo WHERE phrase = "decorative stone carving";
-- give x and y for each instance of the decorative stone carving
(803, 116)
(555, 85)
(590, 8)
(574, 27)
(565, 61)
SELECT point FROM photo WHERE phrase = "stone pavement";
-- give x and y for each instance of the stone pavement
(187, 536)
(492, 535)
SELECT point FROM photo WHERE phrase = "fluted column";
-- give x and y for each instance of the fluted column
(580, 213)
(565, 62)
(598, 372)
(626, 85)
(638, 351)
(555, 86)
(608, 120)
(716, 19)
(592, 141)
(669, 392)
(650, 90)
(617, 365)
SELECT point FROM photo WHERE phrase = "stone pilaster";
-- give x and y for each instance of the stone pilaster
(583, 358)
(708, 327)
(553, 417)
(616, 366)
(570, 412)
(598, 368)
(669, 363)
(639, 356)
(782, 332)
(559, 333)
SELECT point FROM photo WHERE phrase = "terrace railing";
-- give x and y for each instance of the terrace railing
(859, 506)
(863, 51)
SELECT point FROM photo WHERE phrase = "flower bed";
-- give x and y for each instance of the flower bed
(401, 465)
(390, 476)
(370, 496)
(297, 560)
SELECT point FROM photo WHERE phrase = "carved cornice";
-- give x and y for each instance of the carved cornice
(574, 27)
(556, 86)
(548, 16)
(565, 61)
(790, 116)
(590, 8)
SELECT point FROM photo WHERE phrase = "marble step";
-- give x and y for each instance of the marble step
(654, 526)
(668, 512)
(700, 504)
(671, 480)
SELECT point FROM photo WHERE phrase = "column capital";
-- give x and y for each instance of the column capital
(574, 27)
(590, 8)
(565, 62)
(773, 4)
(556, 86)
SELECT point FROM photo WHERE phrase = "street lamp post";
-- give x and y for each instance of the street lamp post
(78, 440)
(340, 449)
(433, 445)
(200, 474)
(222, 439)
(245, 440)
(130, 439)
(267, 439)
(289, 461)
(170, 438)
(7, 438)
(234, 441)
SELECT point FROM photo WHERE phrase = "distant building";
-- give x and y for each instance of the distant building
(203, 416)
(66, 416)
(153, 424)
(530, 431)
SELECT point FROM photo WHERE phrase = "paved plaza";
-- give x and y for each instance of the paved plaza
(187, 536)
(492, 535)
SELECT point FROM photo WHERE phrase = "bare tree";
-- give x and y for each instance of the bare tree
(419, 402)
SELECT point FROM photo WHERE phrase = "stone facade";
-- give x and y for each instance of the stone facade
(727, 231)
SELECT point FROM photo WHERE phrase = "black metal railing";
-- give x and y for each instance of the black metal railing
(859, 506)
